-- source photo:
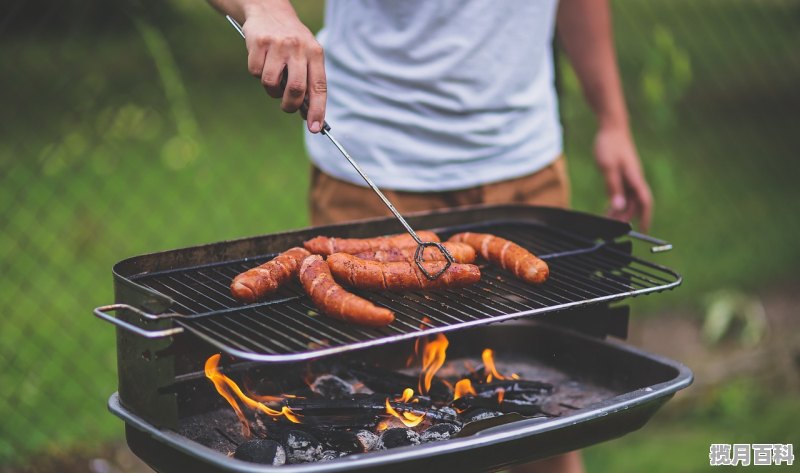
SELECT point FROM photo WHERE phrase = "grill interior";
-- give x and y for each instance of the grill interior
(288, 327)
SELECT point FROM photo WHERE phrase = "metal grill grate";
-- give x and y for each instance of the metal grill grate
(288, 328)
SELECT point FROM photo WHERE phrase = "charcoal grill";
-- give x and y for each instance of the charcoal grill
(173, 310)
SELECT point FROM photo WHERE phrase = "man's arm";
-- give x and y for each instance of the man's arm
(276, 40)
(584, 28)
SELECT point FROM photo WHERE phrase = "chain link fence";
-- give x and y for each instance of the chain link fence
(128, 130)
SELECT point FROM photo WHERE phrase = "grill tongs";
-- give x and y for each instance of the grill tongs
(421, 245)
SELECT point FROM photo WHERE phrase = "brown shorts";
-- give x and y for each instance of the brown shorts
(332, 200)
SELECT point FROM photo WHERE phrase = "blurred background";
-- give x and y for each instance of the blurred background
(132, 127)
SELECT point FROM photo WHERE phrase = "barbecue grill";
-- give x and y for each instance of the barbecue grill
(173, 310)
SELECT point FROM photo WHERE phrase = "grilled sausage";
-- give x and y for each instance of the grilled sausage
(399, 276)
(507, 254)
(260, 281)
(334, 301)
(325, 246)
(461, 253)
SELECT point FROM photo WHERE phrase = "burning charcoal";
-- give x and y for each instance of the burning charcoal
(358, 411)
(368, 440)
(381, 380)
(393, 438)
(479, 413)
(332, 387)
(513, 388)
(441, 431)
(302, 447)
(263, 451)
(448, 411)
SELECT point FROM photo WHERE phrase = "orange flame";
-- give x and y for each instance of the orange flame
(432, 359)
(413, 355)
(501, 393)
(488, 364)
(408, 419)
(224, 384)
(408, 393)
(218, 379)
(463, 388)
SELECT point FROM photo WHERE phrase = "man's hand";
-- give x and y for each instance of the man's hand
(278, 45)
(628, 192)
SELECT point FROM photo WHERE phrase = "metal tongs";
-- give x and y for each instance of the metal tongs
(421, 245)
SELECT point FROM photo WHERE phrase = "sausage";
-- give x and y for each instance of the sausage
(325, 246)
(399, 276)
(461, 253)
(334, 301)
(507, 254)
(260, 281)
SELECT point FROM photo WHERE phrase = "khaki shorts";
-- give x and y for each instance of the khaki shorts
(333, 201)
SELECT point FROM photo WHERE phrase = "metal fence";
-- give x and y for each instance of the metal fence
(128, 130)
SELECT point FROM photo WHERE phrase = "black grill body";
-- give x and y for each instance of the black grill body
(591, 267)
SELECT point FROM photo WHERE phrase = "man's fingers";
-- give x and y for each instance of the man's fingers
(273, 73)
(295, 91)
(256, 55)
(615, 189)
(317, 91)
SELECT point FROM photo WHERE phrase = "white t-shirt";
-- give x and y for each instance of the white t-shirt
(436, 95)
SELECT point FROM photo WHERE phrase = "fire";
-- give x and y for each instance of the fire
(501, 393)
(463, 388)
(408, 394)
(224, 387)
(218, 379)
(432, 359)
(488, 365)
(408, 419)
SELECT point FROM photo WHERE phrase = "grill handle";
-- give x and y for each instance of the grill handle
(660, 245)
(102, 312)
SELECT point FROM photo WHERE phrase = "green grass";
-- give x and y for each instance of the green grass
(96, 165)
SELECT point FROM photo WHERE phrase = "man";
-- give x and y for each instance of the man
(445, 103)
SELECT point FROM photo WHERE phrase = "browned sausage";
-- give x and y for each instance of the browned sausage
(461, 252)
(399, 276)
(507, 254)
(334, 301)
(325, 246)
(260, 281)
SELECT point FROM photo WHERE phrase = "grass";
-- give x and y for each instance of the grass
(98, 164)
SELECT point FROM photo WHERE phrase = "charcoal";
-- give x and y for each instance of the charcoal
(513, 387)
(398, 437)
(358, 411)
(302, 447)
(393, 383)
(339, 440)
(442, 431)
(332, 387)
(507, 406)
(331, 455)
(263, 451)
(479, 413)
(368, 440)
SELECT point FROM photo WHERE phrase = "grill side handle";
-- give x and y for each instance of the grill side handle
(660, 245)
(102, 312)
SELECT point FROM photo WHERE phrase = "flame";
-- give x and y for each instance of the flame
(217, 378)
(408, 419)
(488, 365)
(432, 359)
(415, 354)
(408, 393)
(224, 384)
(501, 393)
(463, 388)
(382, 425)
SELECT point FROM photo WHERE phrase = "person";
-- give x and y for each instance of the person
(445, 103)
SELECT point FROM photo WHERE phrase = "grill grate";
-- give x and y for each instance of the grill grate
(288, 328)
